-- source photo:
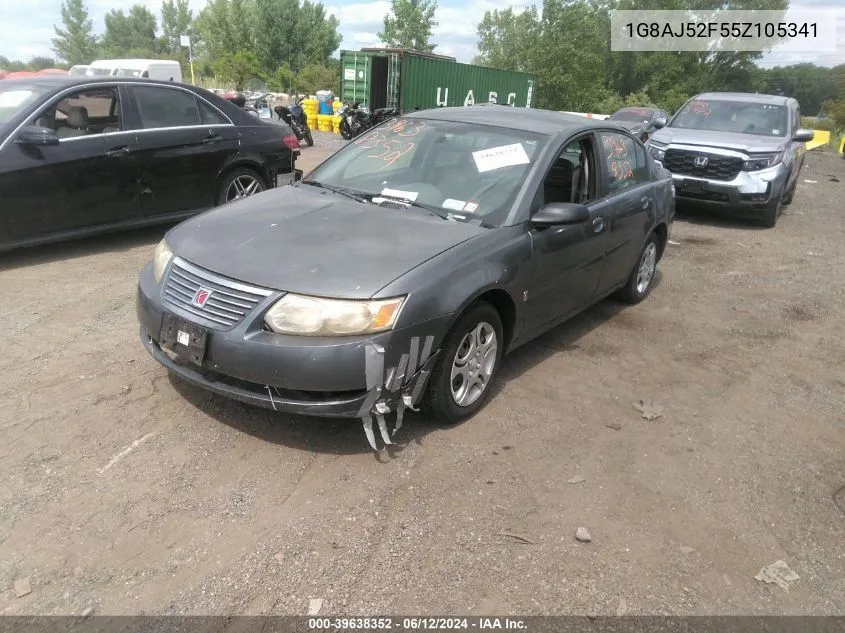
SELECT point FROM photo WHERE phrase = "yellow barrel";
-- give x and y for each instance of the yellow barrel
(336, 124)
(312, 120)
(336, 105)
(324, 122)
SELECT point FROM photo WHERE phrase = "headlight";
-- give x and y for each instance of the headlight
(657, 151)
(161, 258)
(762, 161)
(314, 316)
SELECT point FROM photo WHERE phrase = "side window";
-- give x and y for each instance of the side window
(209, 115)
(796, 119)
(625, 160)
(165, 107)
(572, 177)
(91, 111)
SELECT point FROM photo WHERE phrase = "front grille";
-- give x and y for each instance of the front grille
(680, 161)
(229, 301)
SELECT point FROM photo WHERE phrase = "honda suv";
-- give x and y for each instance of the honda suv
(734, 151)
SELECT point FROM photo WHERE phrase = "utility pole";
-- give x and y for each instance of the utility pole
(185, 40)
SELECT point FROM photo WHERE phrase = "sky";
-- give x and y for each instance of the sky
(26, 31)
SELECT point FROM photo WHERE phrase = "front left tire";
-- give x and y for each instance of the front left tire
(642, 277)
(462, 379)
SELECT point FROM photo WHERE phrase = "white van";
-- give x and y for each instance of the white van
(163, 69)
(78, 69)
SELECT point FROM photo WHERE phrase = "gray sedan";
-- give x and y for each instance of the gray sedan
(398, 273)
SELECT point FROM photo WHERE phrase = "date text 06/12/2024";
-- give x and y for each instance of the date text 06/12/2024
(416, 624)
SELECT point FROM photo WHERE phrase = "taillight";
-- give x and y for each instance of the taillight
(291, 142)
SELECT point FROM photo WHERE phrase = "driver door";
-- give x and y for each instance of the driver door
(568, 260)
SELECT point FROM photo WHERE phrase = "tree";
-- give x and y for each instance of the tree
(505, 38)
(316, 77)
(76, 42)
(132, 35)
(176, 21)
(293, 34)
(410, 25)
(40, 63)
(237, 68)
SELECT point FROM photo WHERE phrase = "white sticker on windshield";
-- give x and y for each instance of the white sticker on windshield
(498, 157)
(455, 205)
(12, 98)
(402, 195)
(470, 207)
(775, 132)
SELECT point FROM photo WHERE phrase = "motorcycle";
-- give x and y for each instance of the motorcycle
(357, 119)
(296, 118)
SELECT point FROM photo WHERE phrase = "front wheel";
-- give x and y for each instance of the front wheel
(345, 131)
(309, 140)
(639, 283)
(463, 375)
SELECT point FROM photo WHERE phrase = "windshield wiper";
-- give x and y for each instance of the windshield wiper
(341, 190)
(413, 203)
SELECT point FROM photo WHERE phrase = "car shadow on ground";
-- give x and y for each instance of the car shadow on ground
(346, 436)
(692, 214)
(83, 247)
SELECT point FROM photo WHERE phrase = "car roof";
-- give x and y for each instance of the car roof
(525, 119)
(750, 97)
(67, 81)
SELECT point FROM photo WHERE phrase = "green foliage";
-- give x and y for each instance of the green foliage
(287, 32)
(237, 69)
(409, 25)
(316, 77)
(129, 35)
(75, 43)
(283, 80)
(836, 111)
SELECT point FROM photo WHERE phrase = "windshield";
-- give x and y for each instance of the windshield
(127, 72)
(460, 171)
(15, 98)
(761, 119)
(640, 115)
(98, 72)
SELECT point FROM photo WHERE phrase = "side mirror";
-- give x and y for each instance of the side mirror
(37, 135)
(804, 135)
(660, 122)
(560, 213)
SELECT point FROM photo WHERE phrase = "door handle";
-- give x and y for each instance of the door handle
(646, 202)
(212, 137)
(118, 151)
(598, 225)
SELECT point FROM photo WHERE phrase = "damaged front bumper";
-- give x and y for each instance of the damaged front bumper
(749, 194)
(364, 377)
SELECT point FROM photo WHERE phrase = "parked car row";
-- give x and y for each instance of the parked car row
(80, 155)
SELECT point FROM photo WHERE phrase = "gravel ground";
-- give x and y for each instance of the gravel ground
(130, 492)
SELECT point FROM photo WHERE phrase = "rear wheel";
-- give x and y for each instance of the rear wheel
(345, 132)
(639, 283)
(461, 382)
(239, 183)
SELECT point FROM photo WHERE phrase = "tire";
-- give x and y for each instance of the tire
(238, 179)
(309, 140)
(441, 402)
(772, 213)
(787, 198)
(642, 276)
(345, 132)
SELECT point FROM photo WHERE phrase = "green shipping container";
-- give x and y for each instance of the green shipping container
(395, 78)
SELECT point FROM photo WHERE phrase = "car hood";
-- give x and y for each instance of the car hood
(314, 242)
(728, 140)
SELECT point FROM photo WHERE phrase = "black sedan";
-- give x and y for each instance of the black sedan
(639, 121)
(401, 269)
(80, 155)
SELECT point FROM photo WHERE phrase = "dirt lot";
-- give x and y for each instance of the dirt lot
(130, 492)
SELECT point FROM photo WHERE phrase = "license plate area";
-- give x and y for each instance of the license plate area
(186, 340)
(692, 186)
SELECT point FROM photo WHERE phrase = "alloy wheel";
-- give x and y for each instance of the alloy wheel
(645, 273)
(243, 186)
(474, 364)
